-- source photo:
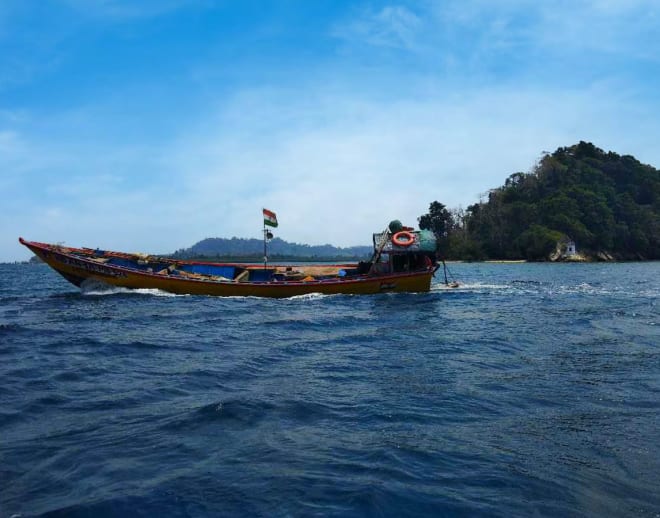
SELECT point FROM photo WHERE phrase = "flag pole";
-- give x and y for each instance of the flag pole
(270, 219)
(265, 248)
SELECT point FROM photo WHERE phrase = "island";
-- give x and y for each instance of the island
(579, 203)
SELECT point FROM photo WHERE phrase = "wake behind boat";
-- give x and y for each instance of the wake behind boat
(403, 261)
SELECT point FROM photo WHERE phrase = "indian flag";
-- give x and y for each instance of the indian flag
(270, 218)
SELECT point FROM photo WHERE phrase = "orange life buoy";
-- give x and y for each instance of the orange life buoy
(403, 238)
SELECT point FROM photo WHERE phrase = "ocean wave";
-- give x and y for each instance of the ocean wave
(533, 380)
(467, 287)
(308, 296)
(105, 290)
(9, 328)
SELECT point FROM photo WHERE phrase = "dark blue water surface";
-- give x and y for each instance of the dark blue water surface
(532, 390)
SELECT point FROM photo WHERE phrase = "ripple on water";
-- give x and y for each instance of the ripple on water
(528, 390)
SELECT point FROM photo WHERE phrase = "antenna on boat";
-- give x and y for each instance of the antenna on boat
(454, 283)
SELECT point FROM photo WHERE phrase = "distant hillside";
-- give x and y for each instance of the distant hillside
(608, 204)
(253, 249)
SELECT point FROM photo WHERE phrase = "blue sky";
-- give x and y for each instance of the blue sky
(146, 126)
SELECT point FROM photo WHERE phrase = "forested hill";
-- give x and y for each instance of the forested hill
(241, 248)
(608, 204)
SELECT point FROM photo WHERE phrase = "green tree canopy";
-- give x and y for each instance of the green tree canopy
(603, 201)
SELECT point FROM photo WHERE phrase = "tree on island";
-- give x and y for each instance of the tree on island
(608, 204)
(439, 220)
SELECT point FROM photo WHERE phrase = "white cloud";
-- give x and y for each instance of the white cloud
(391, 26)
(334, 168)
(9, 144)
(374, 161)
(481, 29)
(625, 29)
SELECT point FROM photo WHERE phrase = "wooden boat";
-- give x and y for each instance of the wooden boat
(403, 261)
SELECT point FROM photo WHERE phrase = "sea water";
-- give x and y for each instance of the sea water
(530, 390)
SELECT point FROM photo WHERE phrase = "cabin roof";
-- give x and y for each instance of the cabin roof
(424, 241)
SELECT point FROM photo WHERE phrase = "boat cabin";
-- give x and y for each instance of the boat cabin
(404, 251)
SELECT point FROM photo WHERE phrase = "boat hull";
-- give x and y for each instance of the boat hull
(77, 270)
